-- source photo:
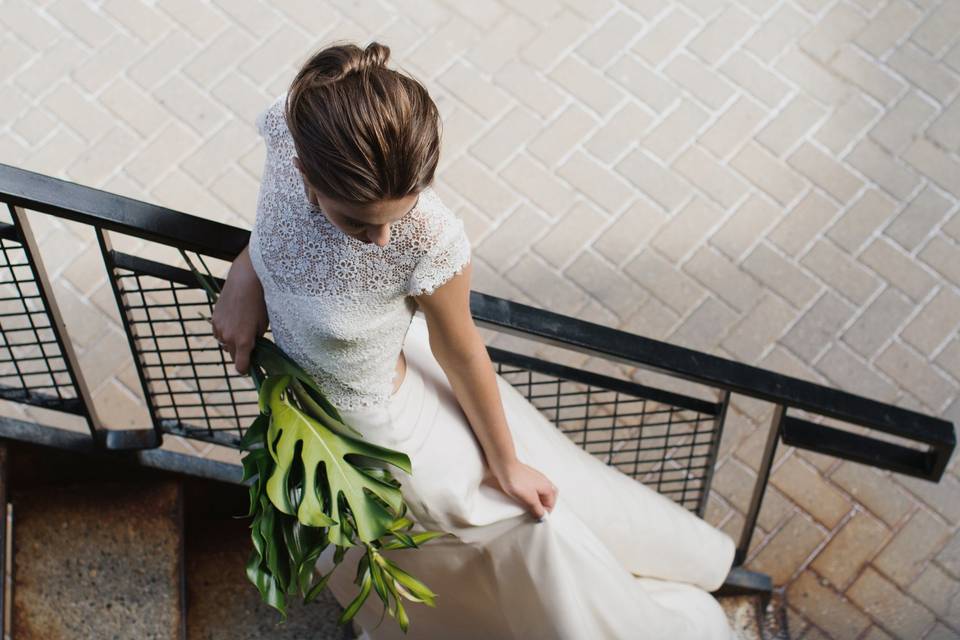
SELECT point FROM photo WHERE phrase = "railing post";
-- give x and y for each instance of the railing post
(763, 476)
(719, 421)
(134, 438)
(45, 291)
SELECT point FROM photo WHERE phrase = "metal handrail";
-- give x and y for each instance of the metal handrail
(152, 222)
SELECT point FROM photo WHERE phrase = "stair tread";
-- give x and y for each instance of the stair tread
(98, 560)
(224, 605)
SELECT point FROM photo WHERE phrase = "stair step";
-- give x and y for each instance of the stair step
(752, 620)
(222, 604)
(98, 559)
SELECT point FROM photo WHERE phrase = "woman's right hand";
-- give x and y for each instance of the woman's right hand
(240, 314)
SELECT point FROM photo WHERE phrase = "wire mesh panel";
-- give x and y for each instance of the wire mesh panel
(665, 440)
(32, 367)
(193, 389)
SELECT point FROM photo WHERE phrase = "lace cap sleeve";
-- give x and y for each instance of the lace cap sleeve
(447, 249)
(271, 123)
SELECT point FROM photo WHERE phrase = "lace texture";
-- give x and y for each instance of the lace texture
(337, 305)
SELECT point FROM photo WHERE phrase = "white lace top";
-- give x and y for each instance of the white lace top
(339, 306)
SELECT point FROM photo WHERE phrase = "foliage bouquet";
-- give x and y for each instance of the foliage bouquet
(316, 482)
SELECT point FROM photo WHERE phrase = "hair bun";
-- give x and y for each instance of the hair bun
(338, 61)
(353, 59)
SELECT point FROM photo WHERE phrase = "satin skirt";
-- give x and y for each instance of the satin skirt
(614, 559)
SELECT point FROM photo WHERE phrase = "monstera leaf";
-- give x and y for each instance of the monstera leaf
(288, 426)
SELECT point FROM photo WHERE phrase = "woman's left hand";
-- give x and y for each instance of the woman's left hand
(529, 487)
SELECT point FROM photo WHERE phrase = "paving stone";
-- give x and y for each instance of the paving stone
(646, 85)
(847, 124)
(609, 38)
(620, 294)
(862, 71)
(604, 187)
(668, 284)
(732, 128)
(804, 486)
(629, 232)
(895, 611)
(899, 124)
(781, 275)
(849, 372)
(803, 223)
(742, 228)
(587, 84)
(672, 133)
(841, 272)
(660, 40)
(501, 141)
(624, 128)
(913, 372)
(764, 323)
(897, 268)
(879, 322)
(936, 164)
(528, 85)
(944, 257)
(825, 607)
(660, 185)
(684, 230)
(939, 592)
(565, 238)
(882, 168)
(873, 490)
(819, 326)
(854, 544)
(789, 548)
(747, 72)
(706, 326)
(722, 276)
(905, 556)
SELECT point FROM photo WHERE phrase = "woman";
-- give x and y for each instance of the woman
(350, 238)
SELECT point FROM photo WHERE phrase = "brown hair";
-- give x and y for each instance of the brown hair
(363, 132)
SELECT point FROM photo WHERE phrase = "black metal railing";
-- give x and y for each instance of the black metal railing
(666, 439)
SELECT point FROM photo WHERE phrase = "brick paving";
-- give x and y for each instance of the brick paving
(772, 181)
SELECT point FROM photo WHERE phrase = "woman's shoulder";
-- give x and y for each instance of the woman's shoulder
(432, 218)
(272, 123)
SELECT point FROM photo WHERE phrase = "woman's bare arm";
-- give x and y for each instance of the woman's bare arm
(240, 315)
(461, 352)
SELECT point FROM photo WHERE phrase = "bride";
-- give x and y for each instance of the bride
(350, 239)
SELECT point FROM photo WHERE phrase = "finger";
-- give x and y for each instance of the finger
(242, 361)
(536, 509)
(549, 497)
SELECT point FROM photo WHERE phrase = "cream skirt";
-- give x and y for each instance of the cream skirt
(614, 559)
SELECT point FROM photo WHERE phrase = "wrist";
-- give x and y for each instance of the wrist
(503, 467)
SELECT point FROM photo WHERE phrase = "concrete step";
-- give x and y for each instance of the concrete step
(222, 604)
(97, 559)
(752, 620)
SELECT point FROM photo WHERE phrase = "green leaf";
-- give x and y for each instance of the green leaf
(266, 585)
(419, 590)
(255, 433)
(208, 286)
(418, 539)
(357, 602)
(288, 426)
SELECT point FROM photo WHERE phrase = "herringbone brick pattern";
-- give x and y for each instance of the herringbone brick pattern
(771, 181)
